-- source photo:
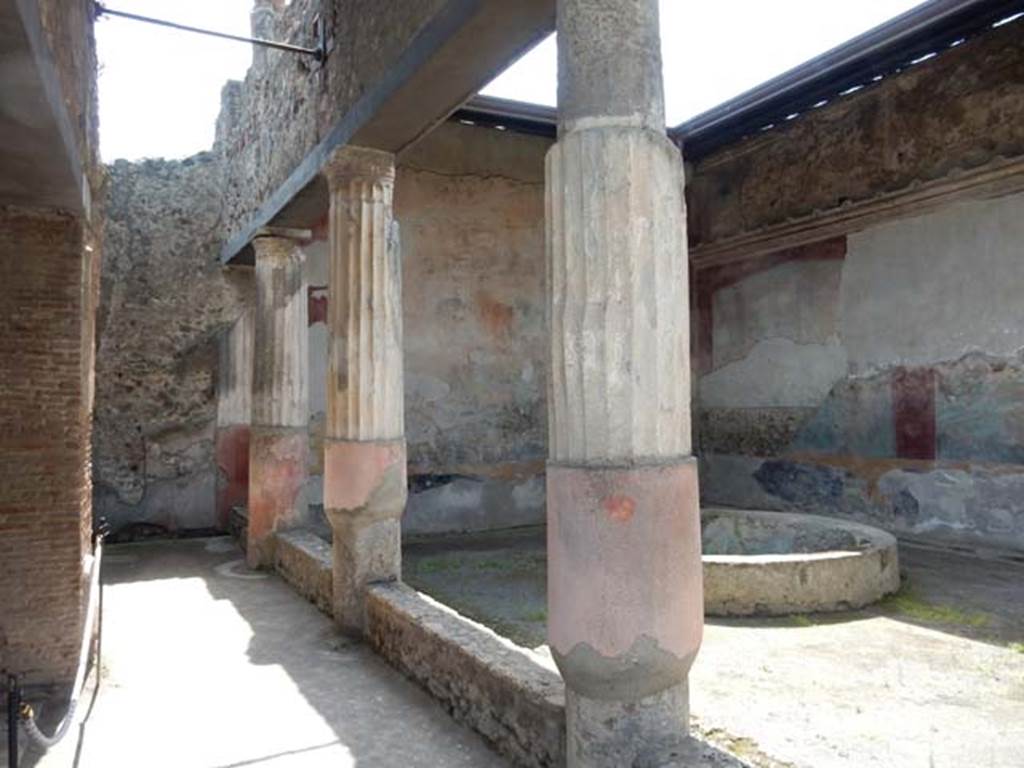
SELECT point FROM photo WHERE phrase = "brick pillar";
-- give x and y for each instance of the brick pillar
(234, 412)
(48, 292)
(278, 441)
(364, 447)
(624, 570)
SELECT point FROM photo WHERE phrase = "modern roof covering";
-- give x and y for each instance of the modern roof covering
(910, 38)
(916, 36)
(519, 116)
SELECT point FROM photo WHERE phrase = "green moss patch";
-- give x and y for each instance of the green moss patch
(909, 604)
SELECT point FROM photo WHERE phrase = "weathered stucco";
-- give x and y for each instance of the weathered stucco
(954, 114)
(936, 287)
(470, 204)
(916, 419)
(165, 299)
(879, 348)
(268, 136)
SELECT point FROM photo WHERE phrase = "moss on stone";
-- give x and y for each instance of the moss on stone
(908, 603)
(428, 565)
(539, 616)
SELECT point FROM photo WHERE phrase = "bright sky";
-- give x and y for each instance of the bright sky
(160, 89)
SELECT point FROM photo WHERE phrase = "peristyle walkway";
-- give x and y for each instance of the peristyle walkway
(209, 665)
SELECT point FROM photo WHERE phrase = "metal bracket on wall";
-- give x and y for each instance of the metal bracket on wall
(319, 53)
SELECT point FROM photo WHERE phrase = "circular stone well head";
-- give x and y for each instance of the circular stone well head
(776, 563)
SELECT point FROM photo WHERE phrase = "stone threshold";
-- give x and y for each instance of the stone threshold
(510, 695)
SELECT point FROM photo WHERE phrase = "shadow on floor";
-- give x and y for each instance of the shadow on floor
(213, 666)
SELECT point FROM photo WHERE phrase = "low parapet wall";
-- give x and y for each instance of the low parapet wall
(304, 560)
(500, 690)
(511, 696)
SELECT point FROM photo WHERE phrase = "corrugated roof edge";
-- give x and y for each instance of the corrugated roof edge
(910, 38)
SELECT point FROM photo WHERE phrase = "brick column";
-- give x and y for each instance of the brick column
(234, 413)
(364, 446)
(278, 443)
(624, 570)
(48, 293)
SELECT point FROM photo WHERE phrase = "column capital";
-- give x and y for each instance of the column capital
(274, 245)
(350, 163)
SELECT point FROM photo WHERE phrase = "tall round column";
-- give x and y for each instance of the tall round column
(364, 448)
(624, 571)
(278, 440)
(234, 416)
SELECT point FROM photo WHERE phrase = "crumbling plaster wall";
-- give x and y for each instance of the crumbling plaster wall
(469, 202)
(956, 113)
(287, 105)
(877, 373)
(165, 298)
(848, 375)
(889, 385)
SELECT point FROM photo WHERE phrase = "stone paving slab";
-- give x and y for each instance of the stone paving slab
(210, 665)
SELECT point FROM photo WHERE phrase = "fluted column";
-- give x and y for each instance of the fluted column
(234, 413)
(278, 442)
(364, 448)
(624, 572)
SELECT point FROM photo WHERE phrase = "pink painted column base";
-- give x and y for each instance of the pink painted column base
(232, 457)
(625, 603)
(277, 474)
(364, 498)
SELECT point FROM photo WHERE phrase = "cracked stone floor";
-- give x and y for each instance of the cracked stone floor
(933, 677)
(207, 665)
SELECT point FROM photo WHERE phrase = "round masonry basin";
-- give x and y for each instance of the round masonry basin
(777, 563)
